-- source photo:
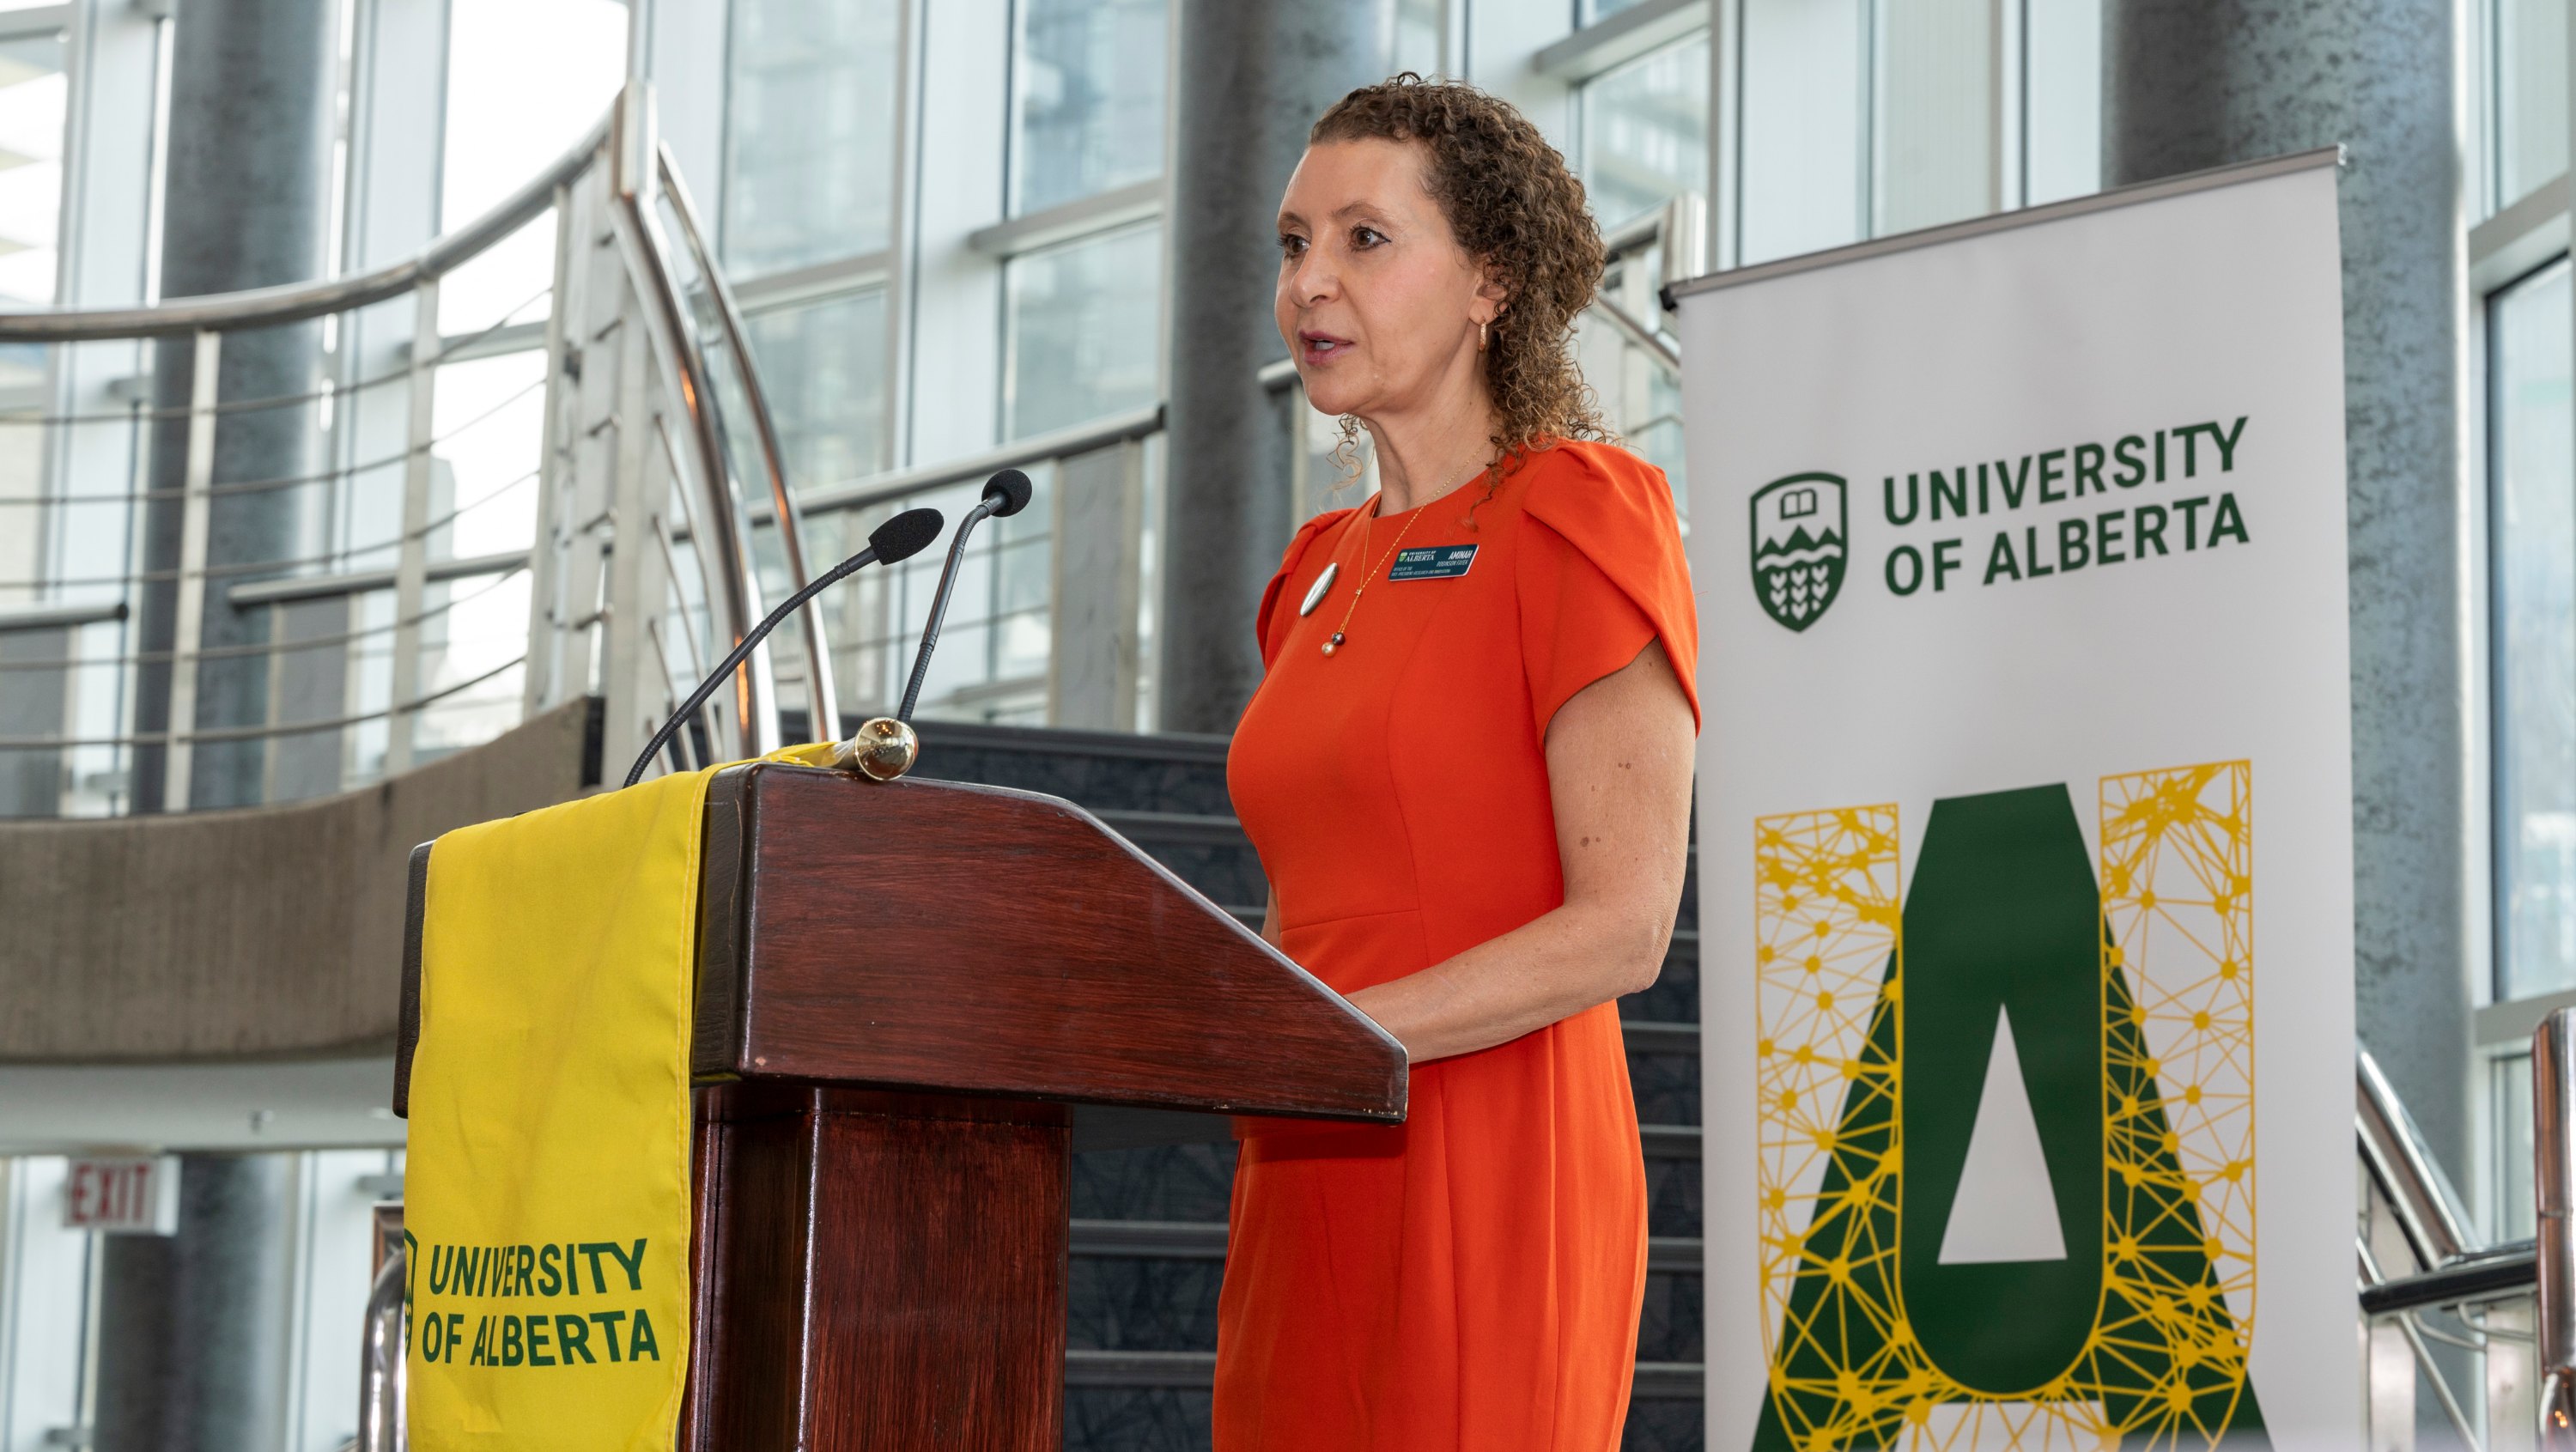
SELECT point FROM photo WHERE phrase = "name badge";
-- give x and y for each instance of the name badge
(1432, 562)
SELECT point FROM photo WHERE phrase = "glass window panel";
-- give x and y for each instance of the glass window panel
(2063, 132)
(525, 80)
(1087, 80)
(823, 367)
(1645, 131)
(1603, 9)
(2509, 1211)
(33, 97)
(2530, 88)
(488, 415)
(991, 664)
(479, 630)
(2532, 460)
(1083, 323)
(809, 132)
(1805, 92)
(1421, 35)
(1639, 397)
(1936, 113)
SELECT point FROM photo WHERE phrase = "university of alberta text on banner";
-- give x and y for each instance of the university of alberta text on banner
(2026, 820)
(547, 1214)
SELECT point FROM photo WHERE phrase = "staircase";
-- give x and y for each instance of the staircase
(1149, 1225)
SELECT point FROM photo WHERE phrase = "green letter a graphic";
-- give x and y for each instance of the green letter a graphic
(2002, 922)
(2123, 1335)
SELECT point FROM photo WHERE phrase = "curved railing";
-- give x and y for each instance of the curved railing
(1625, 339)
(139, 639)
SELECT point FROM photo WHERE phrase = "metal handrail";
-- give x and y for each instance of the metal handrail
(634, 160)
(1634, 329)
(824, 701)
(2415, 1339)
(296, 302)
(2492, 1274)
(2544, 1266)
(2553, 1192)
(639, 175)
(1082, 438)
(2428, 1209)
(382, 1362)
(138, 412)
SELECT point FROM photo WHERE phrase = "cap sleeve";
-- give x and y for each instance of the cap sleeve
(1601, 575)
(1266, 624)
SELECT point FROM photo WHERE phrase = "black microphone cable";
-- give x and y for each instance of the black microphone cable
(901, 537)
(1005, 494)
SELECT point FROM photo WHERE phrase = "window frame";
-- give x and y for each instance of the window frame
(2526, 236)
(1058, 235)
(1015, 45)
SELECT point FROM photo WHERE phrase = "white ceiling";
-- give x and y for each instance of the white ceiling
(339, 1103)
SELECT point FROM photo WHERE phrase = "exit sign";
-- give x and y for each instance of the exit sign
(129, 1194)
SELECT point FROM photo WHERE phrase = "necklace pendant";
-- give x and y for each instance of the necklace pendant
(1333, 644)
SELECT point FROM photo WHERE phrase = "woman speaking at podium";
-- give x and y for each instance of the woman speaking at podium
(1467, 772)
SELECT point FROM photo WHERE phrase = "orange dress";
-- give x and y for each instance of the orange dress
(1471, 1279)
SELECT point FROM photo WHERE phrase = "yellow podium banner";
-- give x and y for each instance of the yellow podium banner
(548, 1179)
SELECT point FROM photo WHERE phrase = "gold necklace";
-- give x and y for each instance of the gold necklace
(1348, 611)
(1360, 589)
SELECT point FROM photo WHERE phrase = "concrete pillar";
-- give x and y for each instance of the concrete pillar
(2196, 83)
(194, 1327)
(1252, 78)
(247, 198)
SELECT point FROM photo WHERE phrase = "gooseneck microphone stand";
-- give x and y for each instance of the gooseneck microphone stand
(901, 537)
(1005, 494)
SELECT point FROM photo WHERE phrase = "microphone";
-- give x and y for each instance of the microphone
(1005, 494)
(905, 535)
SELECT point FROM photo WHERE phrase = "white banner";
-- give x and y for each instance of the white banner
(2026, 830)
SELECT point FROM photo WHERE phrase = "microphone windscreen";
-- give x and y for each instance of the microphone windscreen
(906, 535)
(1013, 487)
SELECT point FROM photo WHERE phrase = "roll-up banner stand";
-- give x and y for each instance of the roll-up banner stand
(2026, 828)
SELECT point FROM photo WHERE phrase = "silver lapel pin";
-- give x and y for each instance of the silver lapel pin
(1323, 582)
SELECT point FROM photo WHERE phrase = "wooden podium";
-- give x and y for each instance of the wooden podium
(913, 1000)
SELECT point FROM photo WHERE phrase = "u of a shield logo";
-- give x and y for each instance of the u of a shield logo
(1799, 537)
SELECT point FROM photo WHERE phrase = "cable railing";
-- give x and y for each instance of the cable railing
(437, 578)
(1053, 620)
(219, 600)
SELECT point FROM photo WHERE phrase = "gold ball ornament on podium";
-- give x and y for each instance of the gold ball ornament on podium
(883, 750)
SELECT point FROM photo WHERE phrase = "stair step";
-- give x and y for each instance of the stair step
(1192, 829)
(1670, 1141)
(1156, 747)
(1095, 768)
(1674, 995)
(1653, 1036)
(1655, 1380)
(1167, 1239)
(1139, 1368)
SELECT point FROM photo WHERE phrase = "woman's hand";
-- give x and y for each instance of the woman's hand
(1619, 778)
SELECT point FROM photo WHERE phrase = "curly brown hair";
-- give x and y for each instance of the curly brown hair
(1515, 207)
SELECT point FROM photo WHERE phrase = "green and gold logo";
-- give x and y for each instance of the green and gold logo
(2006, 1167)
(1800, 528)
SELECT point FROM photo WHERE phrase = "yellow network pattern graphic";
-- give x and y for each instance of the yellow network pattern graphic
(2165, 1363)
(2178, 899)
